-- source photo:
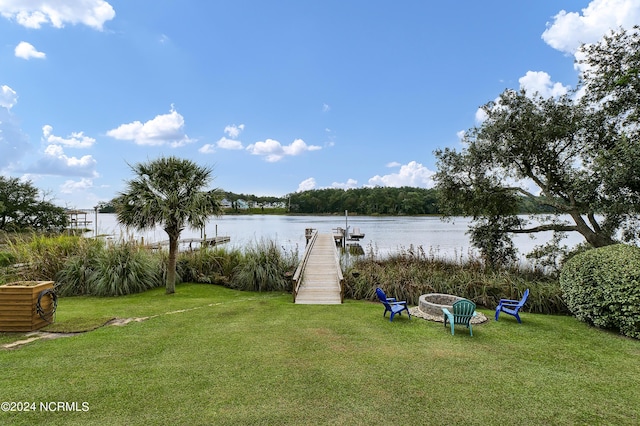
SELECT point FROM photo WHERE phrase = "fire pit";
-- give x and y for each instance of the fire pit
(430, 307)
(433, 303)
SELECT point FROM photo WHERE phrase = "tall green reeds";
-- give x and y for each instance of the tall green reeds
(86, 266)
(209, 265)
(125, 268)
(264, 268)
(83, 266)
(43, 256)
(75, 276)
(411, 272)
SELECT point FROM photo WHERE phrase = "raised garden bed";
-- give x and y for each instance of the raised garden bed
(18, 301)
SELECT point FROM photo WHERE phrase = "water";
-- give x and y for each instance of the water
(384, 235)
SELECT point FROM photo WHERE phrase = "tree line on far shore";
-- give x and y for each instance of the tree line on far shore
(392, 201)
(373, 201)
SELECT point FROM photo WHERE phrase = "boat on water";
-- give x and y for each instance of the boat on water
(356, 235)
(340, 235)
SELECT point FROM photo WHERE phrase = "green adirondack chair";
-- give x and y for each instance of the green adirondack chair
(463, 311)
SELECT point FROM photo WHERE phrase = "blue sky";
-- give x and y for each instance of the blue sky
(277, 96)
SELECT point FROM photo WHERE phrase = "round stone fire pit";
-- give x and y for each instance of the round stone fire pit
(433, 303)
(430, 307)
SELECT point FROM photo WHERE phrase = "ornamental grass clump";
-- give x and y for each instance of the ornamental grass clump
(75, 276)
(125, 268)
(209, 265)
(264, 268)
(602, 288)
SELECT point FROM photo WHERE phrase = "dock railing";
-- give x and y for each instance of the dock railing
(340, 276)
(297, 276)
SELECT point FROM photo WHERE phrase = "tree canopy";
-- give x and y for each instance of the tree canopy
(377, 200)
(575, 155)
(169, 192)
(23, 207)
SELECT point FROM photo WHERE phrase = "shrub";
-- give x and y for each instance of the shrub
(228, 259)
(125, 268)
(264, 268)
(74, 277)
(209, 265)
(602, 287)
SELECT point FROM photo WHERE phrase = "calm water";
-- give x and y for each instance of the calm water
(382, 234)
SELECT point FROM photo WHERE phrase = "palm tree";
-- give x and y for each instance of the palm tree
(169, 192)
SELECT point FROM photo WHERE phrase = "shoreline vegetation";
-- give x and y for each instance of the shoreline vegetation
(86, 266)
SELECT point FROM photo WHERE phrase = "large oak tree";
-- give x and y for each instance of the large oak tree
(24, 207)
(576, 156)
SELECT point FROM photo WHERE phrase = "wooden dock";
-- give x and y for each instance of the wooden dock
(200, 242)
(318, 279)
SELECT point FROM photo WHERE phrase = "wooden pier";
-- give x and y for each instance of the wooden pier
(201, 242)
(318, 279)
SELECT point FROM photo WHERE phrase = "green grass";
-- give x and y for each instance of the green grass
(211, 355)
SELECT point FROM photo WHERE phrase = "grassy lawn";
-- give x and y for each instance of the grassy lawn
(210, 355)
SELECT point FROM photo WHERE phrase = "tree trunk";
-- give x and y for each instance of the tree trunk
(171, 266)
(596, 239)
(600, 240)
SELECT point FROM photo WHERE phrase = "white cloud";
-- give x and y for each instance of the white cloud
(350, 183)
(207, 149)
(411, 174)
(57, 13)
(162, 130)
(481, 116)
(225, 143)
(570, 29)
(393, 164)
(298, 146)
(233, 131)
(270, 148)
(534, 82)
(8, 97)
(75, 140)
(274, 151)
(56, 162)
(71, 186)
(326, 108)
(330, 135)
(540, 82)
(26, 50)
(306, 185)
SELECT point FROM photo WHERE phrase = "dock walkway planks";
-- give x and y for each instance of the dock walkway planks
(321, 276)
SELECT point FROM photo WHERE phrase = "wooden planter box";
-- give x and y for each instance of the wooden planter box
(18, 305)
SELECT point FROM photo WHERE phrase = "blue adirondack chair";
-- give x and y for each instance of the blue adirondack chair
(463, 311)
(392, 305)
(512, 307)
